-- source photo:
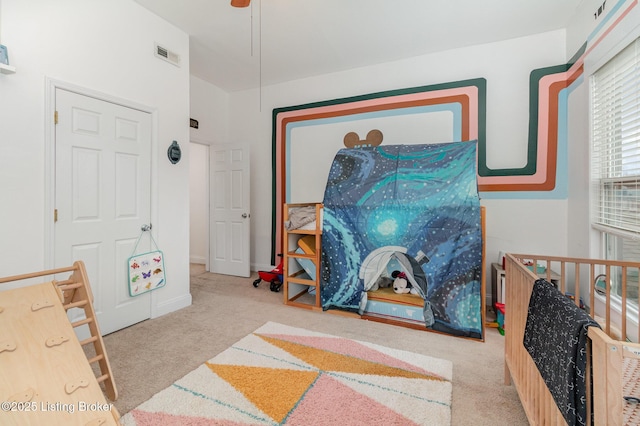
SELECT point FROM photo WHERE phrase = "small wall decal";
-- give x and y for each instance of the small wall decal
(174, 152)
(597, 13)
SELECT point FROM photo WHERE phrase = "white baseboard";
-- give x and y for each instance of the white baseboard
(198, 259)
(171, 305)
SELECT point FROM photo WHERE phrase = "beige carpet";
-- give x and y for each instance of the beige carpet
(150, 356)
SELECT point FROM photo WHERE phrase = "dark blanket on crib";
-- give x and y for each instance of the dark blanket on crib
(555, 336)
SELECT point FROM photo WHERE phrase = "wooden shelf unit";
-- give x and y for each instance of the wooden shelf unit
(296, 282)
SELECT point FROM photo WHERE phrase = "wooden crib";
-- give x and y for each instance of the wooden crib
(615, 362)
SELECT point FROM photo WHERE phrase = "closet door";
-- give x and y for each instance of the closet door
(230, 210)
(102, 199)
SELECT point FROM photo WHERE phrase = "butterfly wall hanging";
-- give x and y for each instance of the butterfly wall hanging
(146, 270)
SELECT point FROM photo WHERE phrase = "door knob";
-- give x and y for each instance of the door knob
(145, 227)
(244, 215)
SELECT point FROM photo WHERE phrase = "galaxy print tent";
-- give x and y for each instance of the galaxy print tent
(417, 200)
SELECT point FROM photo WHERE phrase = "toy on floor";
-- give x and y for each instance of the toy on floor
(274, 277)
(500, 310)
(401, 285)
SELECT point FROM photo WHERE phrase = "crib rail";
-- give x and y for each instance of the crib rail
(536, 399)
(589, 283)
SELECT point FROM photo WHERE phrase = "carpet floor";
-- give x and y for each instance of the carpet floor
(152, 355)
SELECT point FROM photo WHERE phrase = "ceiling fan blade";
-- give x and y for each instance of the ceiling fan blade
(240, 3)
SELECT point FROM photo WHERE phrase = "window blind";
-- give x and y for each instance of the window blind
(615, 135)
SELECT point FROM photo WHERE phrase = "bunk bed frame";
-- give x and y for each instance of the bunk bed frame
(297, 282)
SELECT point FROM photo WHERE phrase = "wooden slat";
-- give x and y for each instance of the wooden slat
(96, 359)
(80, 304)
(77, 324)
(30, 275)
(88, 340)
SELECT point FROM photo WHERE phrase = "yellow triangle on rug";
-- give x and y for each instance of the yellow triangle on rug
(328, 361)
(274, 391)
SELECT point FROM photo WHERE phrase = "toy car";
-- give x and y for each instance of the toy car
(274, 277)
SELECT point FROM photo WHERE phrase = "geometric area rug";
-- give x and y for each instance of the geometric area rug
(282, 375)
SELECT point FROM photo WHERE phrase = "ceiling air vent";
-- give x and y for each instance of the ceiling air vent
(167, 55)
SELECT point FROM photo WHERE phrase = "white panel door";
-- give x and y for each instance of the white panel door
(102, 198)
(230, 210)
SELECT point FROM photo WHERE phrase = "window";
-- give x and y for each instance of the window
(615, 134)
(627, 249)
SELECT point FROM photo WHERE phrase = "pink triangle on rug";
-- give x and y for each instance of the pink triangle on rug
(351, 348)
(145, 418)
(330, 402)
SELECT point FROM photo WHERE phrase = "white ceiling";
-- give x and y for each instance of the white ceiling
(274, 41)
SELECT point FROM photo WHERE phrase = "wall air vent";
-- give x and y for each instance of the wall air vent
(167, 55)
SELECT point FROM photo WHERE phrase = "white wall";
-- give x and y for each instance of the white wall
(512, 225)
(198, 203)
(210, 106)
(106, 47)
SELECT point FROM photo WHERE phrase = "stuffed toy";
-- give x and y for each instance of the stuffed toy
(382, 282)
(401, 285)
